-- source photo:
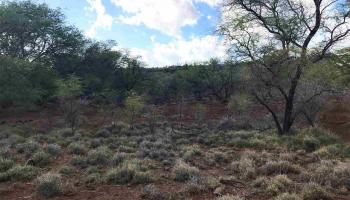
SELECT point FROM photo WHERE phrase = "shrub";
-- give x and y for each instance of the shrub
(230, 197)
(49, 185)
(67, 132)
(5, 164)
(287, 196)
(66, 170)
(212, 183)
(54, 150)
(311, 144)
(279, 184)
(153, 193)
(313, 191)
(183, 172)
(130, 171)
(220, 157)
(93, 179)
(261, 182)
(194, 186)
(103, 132)
(244, 168)
(118, 158)
(100, 156)
(77, 149)
(190, 152)
(280, 167)
(19, 173)
(79, 161)
(39, 159)
(141, 177)
(27, 148)
(94, 143)
(120, 176)
(92, 170)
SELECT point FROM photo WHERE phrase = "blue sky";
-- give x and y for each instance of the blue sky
(162, 32)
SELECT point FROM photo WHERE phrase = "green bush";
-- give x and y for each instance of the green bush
(28, 148)
(183, 172)
(279, 184)
(101, 156)
(118, 158)
(67, 170)
(39, 159)
(54, 150)
(93, 179)
(79, 161)
(22, 173)
(77, 149)
(5, 164)
(49, 185)
(129, 172)
(141, 177)
(311, 144)
(120, 175)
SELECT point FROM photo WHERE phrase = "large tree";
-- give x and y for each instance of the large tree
(280, 39)
(36, 32)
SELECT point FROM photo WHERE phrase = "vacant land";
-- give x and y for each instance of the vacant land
(195, 161)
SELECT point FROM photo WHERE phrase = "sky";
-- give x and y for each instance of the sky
(162, 32)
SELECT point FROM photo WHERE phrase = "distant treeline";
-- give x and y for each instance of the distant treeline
(39, 52)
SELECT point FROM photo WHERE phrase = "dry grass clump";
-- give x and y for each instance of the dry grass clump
(101, 156)
(287, 196)
(183, 172)
(280, 167)
(151, 192)
(129, 172)
(6, 164)
(49, 185)
(244, 168)
(189, 152)
(230, 197)
(313, 191)
(279, 184)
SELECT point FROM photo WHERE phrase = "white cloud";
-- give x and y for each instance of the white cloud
(198, 49)
(210, 2)
(103, 20)
(153, 38)
(167, 16)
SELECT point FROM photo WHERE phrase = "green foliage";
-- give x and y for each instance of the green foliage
(183, 172)
(133, 106)
(101, 156)
(23, 82)
(49, 185)
(36, 32)
(239, 103)
(22, 173)
(5, 164)
(129, 172)
(40, 159)
(69, 87)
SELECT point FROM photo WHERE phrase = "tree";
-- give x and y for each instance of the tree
(68, 90)
(278, 40)
(35, 32)
(22, 82)
(133, 107)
